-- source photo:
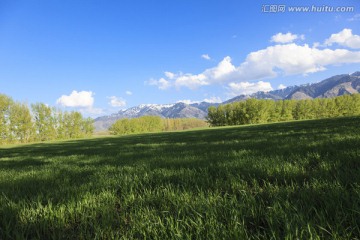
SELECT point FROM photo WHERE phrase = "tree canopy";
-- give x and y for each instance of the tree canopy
(263, 111)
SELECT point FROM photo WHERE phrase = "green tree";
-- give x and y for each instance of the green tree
(87, 127)
(5, 103)
(74, 125)
(287, 109)
(21, 125)
(44, 121)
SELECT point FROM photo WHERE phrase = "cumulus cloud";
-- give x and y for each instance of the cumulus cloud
(212, 75)
(293, 59)
(117, 101)
(344, 38)
(77, 99)
(128, 93)
(221, 72)
(247, 88)
(280, 59)
(206, 57)
(286, 37)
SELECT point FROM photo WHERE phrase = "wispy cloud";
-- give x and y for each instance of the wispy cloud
(206, 57)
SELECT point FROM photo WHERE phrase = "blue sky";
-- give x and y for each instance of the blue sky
(102, 56)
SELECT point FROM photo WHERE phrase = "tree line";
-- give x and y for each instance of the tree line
(153, 124)
(253, 111)
(20, 123)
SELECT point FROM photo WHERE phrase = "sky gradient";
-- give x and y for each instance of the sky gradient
(102, 56)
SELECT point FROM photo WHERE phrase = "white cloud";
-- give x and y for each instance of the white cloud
(344, 38)
(247, 88)
(291, 59)
(280, 59)
(191, 81)
(117, 101)
(77, 99)
(212, 75)
(285, 38)
(221, 72)
(281, 86)
(128, 93)
(206, 57)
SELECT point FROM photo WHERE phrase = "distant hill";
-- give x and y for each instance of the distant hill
(334, 86)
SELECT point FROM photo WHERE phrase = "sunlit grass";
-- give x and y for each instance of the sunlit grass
(288, 180)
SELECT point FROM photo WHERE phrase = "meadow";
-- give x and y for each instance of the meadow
(285, 180)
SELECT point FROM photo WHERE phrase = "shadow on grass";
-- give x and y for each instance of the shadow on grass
(323, 150)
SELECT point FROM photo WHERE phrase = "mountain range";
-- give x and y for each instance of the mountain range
(331, 87)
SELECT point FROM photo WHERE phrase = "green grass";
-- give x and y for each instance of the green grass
(275, 181)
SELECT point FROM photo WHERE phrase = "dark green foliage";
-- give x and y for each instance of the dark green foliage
(293, 180)
(262, 111)
(148, 124)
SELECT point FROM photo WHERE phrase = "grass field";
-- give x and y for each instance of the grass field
(286, 180)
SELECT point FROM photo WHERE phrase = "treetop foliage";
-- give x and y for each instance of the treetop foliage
(21, 124)
(254, 111)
